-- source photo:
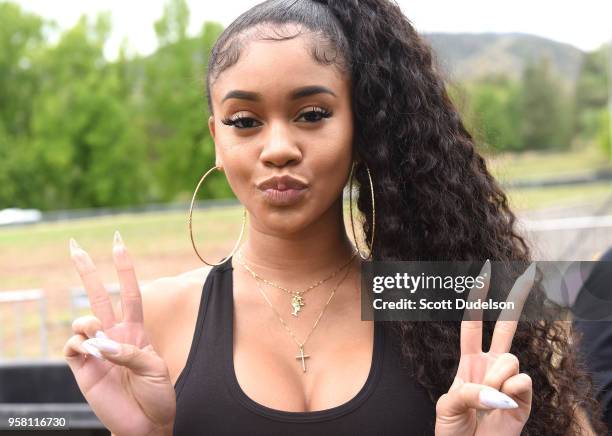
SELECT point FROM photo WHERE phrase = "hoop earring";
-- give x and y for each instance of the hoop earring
(190, 216)
(373, 211)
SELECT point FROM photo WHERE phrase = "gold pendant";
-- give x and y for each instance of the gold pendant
(297, 302)
(302, 356)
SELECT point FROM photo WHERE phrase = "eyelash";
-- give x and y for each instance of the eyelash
(232, 121)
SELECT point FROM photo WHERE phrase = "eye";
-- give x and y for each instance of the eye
(242, 123)
(236, 120)
(316, 112)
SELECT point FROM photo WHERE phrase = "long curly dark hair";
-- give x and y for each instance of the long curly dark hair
(435, 198)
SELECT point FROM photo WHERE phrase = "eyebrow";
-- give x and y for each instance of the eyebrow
(298, 93)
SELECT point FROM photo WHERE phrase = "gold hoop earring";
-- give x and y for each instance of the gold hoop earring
(190, 216)
(373, 211)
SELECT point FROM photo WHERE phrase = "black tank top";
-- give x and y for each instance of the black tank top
(210, 401)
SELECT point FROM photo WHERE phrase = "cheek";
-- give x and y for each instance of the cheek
(239, 172)
(332, 159)
(330, 172)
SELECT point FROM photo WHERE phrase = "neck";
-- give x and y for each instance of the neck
(301, 256)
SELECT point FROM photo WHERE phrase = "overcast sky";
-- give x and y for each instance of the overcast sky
(585, 24)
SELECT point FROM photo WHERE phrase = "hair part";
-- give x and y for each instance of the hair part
(269, 21)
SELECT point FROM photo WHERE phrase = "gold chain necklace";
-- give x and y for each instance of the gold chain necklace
(297, 301)
(303, 356)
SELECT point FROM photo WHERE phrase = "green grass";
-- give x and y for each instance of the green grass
(149, 229)
(536, 165)
(147, 233)
(531, 199)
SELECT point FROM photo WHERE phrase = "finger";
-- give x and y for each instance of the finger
(87, 325)
(504, 367)
(505, 327)
(75, 349)
(471, 326)
(457, 382)
(472, 396)
(520, 387)
(99, 300)
(131, 299)
(142, 361)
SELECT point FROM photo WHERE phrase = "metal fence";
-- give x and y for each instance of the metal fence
(571, 238)
(17, 300)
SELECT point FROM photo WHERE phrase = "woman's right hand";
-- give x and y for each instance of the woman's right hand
(130, 392)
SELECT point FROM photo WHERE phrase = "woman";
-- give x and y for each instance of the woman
(307, 89)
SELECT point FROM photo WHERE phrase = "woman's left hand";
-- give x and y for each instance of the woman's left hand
(489, 396)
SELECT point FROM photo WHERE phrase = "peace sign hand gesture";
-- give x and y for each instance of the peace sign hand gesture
(488, 396)
(130, 391)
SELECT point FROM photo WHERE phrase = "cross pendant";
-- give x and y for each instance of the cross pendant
(302, 356)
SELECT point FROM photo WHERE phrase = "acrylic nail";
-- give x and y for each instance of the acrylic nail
(106, 345)
(74, 246)
(529, 273)
(117, 240)
(496, 400)
(101, 334)
(92, 350)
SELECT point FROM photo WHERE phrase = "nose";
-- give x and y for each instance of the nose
(280, 148)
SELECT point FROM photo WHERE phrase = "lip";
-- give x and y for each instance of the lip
(282, 183)
(285, 197)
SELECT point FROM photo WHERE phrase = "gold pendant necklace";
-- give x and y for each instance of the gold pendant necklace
(297, 300)
(300, 345)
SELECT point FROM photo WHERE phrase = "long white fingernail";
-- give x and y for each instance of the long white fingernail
(92, 350)
(101, 334)
(530, 272)
(117, 240)
(106, 345)
(496, 399)
(486, 268)
(74, 246)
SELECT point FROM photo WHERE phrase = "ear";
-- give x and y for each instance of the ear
(211, 127)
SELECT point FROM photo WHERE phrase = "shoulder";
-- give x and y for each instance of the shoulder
(163, 297)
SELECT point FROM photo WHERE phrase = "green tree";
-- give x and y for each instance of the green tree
(21, 39)
(545, 108)
(604, 137)
(591, 94)
(494, 112)
(176, 115)
(82, 126)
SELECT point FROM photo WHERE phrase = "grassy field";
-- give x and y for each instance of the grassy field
(529, 199)
(538, 165)
(37, 256)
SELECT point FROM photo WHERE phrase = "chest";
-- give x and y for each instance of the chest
(272, 370)
(266, 362)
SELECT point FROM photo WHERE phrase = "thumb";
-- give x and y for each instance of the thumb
(143, 361)
(472, 396)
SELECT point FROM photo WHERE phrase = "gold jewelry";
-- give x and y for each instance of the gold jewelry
(303, 356)
(373, 210)
(190, 216)
(298, 300)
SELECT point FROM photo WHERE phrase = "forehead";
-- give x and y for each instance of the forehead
(273, 67)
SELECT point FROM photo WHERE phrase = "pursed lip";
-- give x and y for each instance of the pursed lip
(282, 183)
